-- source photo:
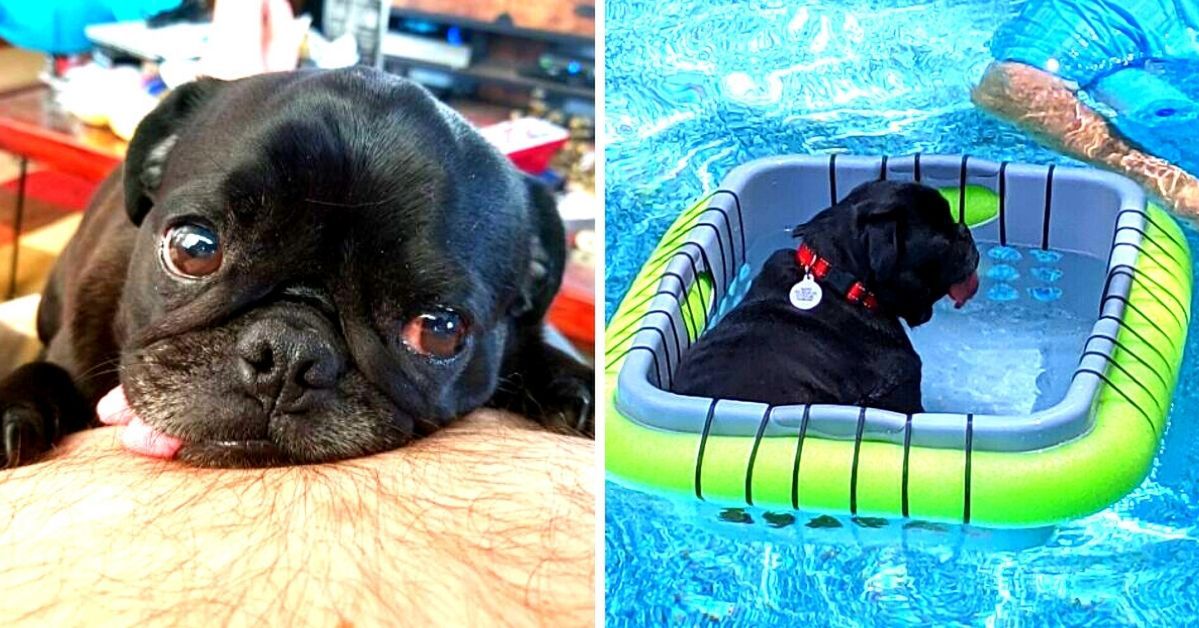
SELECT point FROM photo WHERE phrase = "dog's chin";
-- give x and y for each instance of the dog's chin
(916, 317)
(233, 454)
(281, 440)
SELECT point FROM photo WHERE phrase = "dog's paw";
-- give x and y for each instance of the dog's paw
(26, 435)
(568, 404)
(553, 389)
(39, 403)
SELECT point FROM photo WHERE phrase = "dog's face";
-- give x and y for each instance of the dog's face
(327, 265)
(901, 240)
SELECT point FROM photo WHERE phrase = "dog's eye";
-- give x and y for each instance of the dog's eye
(440, 333)
(192, 250)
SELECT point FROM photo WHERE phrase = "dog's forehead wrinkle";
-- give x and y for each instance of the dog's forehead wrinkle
(345, 160)
(191, 197)
(377, 142)
(200, 307)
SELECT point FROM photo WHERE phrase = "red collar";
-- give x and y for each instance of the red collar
(845, 283)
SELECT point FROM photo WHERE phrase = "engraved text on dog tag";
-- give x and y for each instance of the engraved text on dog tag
(806, 294)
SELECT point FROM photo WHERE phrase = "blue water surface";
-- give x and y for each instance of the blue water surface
(694, 89)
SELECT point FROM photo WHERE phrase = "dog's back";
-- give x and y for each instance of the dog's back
(766, 350)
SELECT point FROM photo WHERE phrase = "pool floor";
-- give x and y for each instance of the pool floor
(1013, 349)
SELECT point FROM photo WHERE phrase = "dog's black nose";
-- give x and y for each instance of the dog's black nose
(286, 362)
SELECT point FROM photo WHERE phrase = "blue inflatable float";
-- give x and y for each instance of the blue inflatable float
(1135, 59)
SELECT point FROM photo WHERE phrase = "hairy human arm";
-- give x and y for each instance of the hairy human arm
(488, 522)
(1045, 106)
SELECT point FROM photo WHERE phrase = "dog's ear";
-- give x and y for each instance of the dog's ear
(153, 141)
(880, 226)
(547, 258)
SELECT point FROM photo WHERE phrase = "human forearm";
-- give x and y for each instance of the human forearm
(1043, 105)
(481, 523)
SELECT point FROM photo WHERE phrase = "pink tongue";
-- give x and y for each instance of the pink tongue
(113, 409)
(137, 437)
(964, 291)
(147, 441)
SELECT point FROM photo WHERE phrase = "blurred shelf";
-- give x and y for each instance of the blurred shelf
(496, 17)
(496, 72)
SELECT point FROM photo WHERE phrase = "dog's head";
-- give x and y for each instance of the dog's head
(328, 264)
(902, 242)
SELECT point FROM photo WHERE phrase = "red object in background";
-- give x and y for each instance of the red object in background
(62, 63)
(573, 310)
(55, 188)
(55, 150)
(529, 142)
(50, 196)
(536, 160)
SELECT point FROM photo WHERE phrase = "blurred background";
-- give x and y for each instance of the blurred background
(76, 76)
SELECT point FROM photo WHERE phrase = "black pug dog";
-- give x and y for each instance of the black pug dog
(820, 324)
(302, 267)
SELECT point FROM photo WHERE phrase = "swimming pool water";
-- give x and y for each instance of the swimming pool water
(696, 88)
(864, 76)
(1178, 122)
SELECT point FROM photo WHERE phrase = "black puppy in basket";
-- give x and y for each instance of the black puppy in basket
(820, 324)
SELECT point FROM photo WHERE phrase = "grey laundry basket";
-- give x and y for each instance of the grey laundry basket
(880, 462)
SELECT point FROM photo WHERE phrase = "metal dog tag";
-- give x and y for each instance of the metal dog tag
(806, 294)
